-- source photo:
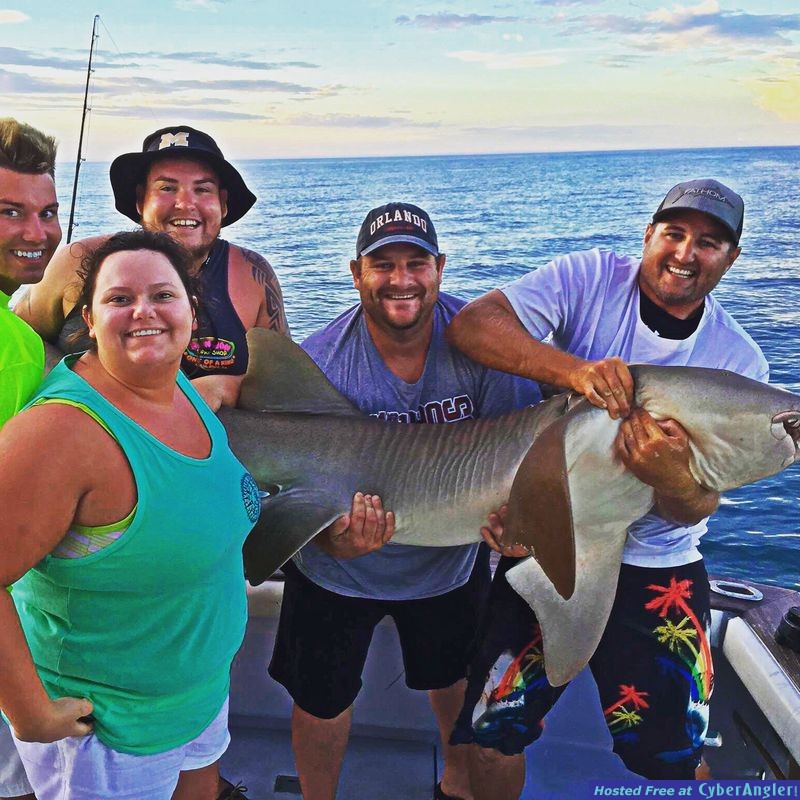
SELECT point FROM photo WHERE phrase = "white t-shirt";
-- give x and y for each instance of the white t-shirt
(589, 303)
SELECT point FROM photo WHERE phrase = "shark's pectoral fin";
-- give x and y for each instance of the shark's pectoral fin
(288, 521)
(572, 628)
(539, 514)
(604, 499)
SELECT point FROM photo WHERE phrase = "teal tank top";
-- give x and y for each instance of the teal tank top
(147, 627)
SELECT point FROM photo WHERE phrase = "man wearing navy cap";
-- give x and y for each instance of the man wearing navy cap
(180, 183)
(653, 665)
(387, 354)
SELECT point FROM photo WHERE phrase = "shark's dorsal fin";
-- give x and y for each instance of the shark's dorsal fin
(281, 376)
(539, 514)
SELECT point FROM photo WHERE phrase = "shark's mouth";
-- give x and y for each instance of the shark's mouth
(786, 427)
(791, 424)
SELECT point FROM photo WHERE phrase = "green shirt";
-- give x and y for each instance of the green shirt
(21, 361)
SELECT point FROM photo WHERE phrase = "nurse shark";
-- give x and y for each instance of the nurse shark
(570, 500)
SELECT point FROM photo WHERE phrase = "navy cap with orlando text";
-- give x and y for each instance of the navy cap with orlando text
(396, 223)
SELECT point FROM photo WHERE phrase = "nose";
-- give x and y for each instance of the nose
(143, 308)
(34, 229)
(402, 275)
(684, 251)
(183, 197)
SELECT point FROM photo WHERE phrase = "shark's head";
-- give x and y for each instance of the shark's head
(741, 430)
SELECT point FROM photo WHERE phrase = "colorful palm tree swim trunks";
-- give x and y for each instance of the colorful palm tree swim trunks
(652, 667)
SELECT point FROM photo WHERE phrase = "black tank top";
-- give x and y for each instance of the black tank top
(218, 346)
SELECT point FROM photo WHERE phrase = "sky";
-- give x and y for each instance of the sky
(341, 78)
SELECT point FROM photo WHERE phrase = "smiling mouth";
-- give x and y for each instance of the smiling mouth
(400, 296)
(681, 273)
(145, 332)
(184, 223)
(33, 255)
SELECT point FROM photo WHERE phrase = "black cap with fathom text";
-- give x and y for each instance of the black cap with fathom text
(709, 196)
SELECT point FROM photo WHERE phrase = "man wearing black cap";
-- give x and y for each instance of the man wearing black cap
(388, 356)
(180, 183)
(605, 311)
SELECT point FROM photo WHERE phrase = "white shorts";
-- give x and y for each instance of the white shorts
(13, 782)
(83, 768)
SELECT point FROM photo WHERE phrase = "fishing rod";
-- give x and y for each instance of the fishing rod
(83, 123)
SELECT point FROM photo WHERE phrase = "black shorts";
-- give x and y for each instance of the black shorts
(323, 637)
(652, 668)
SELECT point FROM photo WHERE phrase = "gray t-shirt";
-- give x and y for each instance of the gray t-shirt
(451, 388)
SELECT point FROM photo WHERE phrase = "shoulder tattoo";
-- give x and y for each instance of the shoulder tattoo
(266, 278)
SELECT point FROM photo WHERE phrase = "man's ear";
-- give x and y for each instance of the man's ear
(223, 201)
(355, 271)
(648, 233)
(733, 254)
(139, 199)
(440, 260)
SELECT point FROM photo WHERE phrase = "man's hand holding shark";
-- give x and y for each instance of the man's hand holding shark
(657, 453)
(364, 530)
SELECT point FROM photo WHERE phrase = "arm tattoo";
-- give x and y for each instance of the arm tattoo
(265, 276)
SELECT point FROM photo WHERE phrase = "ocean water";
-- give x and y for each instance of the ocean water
(499, 216)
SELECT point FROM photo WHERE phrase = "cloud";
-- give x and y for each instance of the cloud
(356, 121)
(530, 60)
(449, 21)
(702, 26)
(175, 112)
(725, 24)
(11, 56)
(10, 17)
(19, 84)
(330, 90)
(241, 63)
(621, 60)
(141, 83)
(779, 95)
(210, 57)
(71, 59)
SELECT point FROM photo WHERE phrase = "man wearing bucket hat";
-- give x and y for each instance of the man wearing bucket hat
(605, 311)
(387, 354)
(180, 183)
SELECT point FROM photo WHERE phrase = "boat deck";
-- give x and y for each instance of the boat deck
(383, 768)
(394, 751)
